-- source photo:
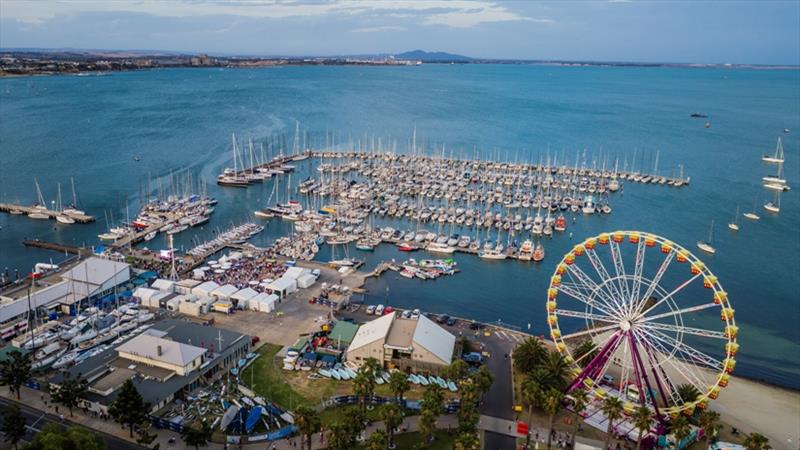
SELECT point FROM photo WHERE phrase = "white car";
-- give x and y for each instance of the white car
(406, 314)
(379, 310)
(371, 309)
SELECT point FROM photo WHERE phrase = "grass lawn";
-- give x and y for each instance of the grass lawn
(270, 382)
(406, 441)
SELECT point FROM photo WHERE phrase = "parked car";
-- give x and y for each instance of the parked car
(388, 310)
(476, 326)
(379, 310)
(406, 314)
(442, 318)
(472, 358)
(415, 314)
(254, 340)
(371, 309)
(450, 321)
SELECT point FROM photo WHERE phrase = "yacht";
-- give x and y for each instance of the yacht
(775, 205)
(707, 246)
(492, 254)
(777, 157)
(436, 247)
(538, 253)
(525, 251)
(734, 225)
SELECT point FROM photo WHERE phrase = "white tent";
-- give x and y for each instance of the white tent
(295, 272)
(225, 292)
(185, 286)
(205, 289)
(190, 308)
(204, 304)
(173, 304)
(144, 294)
(164, 285)
(263, 302)
(282, 287)
(306, 281)
(243, 296)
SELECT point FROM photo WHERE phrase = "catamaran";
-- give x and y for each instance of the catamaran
(707, 246)
(777, 157)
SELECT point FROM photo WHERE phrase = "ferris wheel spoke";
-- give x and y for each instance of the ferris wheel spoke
(679, 312)
(664, 298)
(694, 354)
(570, 290)
(593, 287)
(622, 279)
(589, 331)
(671, 385)
(681, 368)
(610, 360)
(637, 272)
(600, 268)
(641, 301)
(585, 315)
(685, 330)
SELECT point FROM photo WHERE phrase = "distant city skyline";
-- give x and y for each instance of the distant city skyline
(737, 32)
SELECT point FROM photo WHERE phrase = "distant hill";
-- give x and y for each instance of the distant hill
(421, 55)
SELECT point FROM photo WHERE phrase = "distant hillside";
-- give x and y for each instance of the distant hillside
(421, 55)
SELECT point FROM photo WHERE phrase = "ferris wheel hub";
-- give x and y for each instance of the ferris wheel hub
(625, 325)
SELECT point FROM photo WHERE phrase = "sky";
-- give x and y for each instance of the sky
(683, 31)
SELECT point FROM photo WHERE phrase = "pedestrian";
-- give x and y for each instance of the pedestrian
(61, 418)
(56, 409)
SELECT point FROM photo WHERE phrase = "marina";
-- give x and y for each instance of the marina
(37, 212)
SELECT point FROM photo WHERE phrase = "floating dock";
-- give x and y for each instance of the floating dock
(11, 208)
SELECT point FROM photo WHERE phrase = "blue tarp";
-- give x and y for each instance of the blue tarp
(310, 356)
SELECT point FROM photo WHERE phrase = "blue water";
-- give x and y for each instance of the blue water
(89, 128)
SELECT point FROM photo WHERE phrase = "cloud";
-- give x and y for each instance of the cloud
(378, 29)
(452, 13)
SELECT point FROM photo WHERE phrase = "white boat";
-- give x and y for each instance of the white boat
(492, 254)
(777, 178)
(735, 224)
(775, 205)
(108, 236)
(65, 219)
(38, 215)
(707, 246)
(149, 236)
(435, 247)
(752, 214)
(65, 360)
(91, 334)
(778, 156)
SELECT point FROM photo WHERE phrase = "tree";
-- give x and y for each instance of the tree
(308, 422)
(356, 420)
(52, 437)
(556, 369)
(399, 384)
(585, 352)
(612, 408)
(143, 434)
(197, 436)
(432, 404)
(483, 379)
(128, 408)
(457, 370)
(392, 416)
(529, 354)
(680, 428)
(468, 414)
(687, 393)
(467, 441)
(377, 440)
(341, 437)
(70, 391)
(531, 394)
(580, 400)
(15, 370)
(552, 405)
(364, 382)
(709, 422)
(642, 418)
(13, 427)
(756, 441)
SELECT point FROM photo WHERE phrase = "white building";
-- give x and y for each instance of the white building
(152, 349)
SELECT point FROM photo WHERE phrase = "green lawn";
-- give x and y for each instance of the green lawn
(270, 382)
(406, 441)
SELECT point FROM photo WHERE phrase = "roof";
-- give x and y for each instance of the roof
(281, 284)
(207, 287)
(225, 291)
(144, 293)
(435, 339)
(372, 331)
(172, 352)
(264, 297)
(343, 331)
(163, 285)
(95, 270)
(295, 272)
(401, 334)
(245, 294)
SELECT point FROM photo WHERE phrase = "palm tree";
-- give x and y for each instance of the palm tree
(531, 394)
(483, 379)
(584, 352)
(687, 393)
(756, 441)
(457, 370)
(612, 408)
(680, 428)
(529, 354)
(432, 403)
(308, 422)
(15, 370)
(642, 418)
(556, 370)
(341, 437)
(377, 440)
(552, 405)
(398, 384)
(467, 441)
(709, 421)
(580, 400)
(392, 416)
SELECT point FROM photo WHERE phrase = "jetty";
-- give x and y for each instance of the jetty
(15, 209)
(61, 248)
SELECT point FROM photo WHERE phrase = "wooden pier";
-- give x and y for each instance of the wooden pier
(61, 248)
(11, 208)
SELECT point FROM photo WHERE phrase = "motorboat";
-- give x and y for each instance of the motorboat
(525, 251)
(436, 247)
(538, 253)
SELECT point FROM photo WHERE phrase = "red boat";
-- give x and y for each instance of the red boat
(561, 223)
(406, 247)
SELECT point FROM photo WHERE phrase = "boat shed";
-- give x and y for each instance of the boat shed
(225, 292)
(163, 285)
(205, 289)
(282, 287)
(241, 298)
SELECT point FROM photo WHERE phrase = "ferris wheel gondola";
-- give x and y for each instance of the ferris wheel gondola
(644, 304)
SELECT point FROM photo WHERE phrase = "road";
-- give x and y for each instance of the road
(36, 419)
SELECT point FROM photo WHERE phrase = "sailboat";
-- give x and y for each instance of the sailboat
(707, 246)
(72, 210)
(230, 177)
(777, 157)
(752, 214)
(777, 179)
(775, 205)
(735, 224)
(40, 204)
(62, 218)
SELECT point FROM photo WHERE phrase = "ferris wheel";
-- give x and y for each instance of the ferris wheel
(641, 321)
